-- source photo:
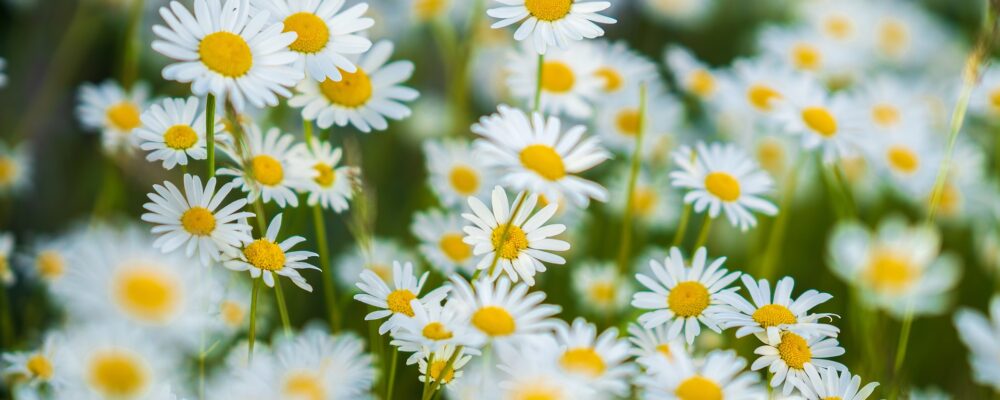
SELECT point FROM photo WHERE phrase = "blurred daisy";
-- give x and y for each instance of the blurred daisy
(650, 343)
(843, 22)
(755, 87)
(654, 200)
(363, 98)
(768, 316)
(693, 76)
(432, 368)
(600, 361)
(600, 289)
(890, 104)
(36, 367)
(113, 111)
(791, 357)
(903, 34)
(377, 255)
(981, 334)
(15, 168)
(266, 257)
(623, 69)
(722, 177)
(618, 120)
(808, 52)
(331, 186)
(233, 308)
(267, 169)
(684, 296)
(985, 98)
(826, 383)
(822, 121)
(569, 79)
(909, 161)
(7, 277)
(224, 50)
(528, 371)
(432, 329)
(720, 375)
(395, 301)
(500, 313)
(536, 156)
(442, 241)
(50, 257)
(455, 172)
(898, 267)
(195, 221)
(514, 241)
(326, 34)
(173, 130)
(551, 22)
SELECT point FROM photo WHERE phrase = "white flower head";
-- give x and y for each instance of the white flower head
(767, 316)
(266, 257)
(332, 185)
(395, 302)
(113, 111)
(549, 23)
(173, 130)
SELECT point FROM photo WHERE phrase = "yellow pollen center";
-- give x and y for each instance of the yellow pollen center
(352, 91)
(806, 56)
(664, 349)
(762, 97)
(903, 159)
(538, 392)
(584, 361)
(838, 27)
(304, 385)
(885, 115)
(437, 367)
(548, 10)
(8, 168)
(267, 170)
(602, 292)
(428, 9)
(464, 180)
(313, 32)
(723, 185)
(995, 100)
(771, 154)
(951, 199)
(325, 175)
(893, 37)
(628, 121)
(399, 302)
(228, 54)
(612, 79)
(494, 321)
(644, 201)
(794, 350)
(50, 264)
(232, 313)
(509, 247)
(454, 248)
(772, 315)
(436, 331)
(180, 137)
(891, 272)
(701, 83)
(40, 367)
(544, 160)
(557, 77)
(124, 116)
(688, 299)
(147, 293)
(698, 388)
(265, 254)
(117, 374)
(819, 120)
(832, 398)
(198, 221)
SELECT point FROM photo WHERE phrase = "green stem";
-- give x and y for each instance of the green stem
(772, 252)
(329, 290)
(392, 373)
(131, 48)
(706, 226)
(626, 243)
(682, 226)
(538, 83)
(444, 372)
(427, 378)
(901, 347)
(282, 310)
(253, 317)
(210, 133)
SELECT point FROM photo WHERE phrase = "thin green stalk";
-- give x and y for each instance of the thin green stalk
(258, 208)
(210, 134)
(427, 380)
(776, 237)
(444, 372)
(833, 195)
(845, 191)
(319, 225)
(6, 325)
(901, 347)
(538, 83)
(706, 226)
(253, 317)
(682, 226)
(130, 46)
(282, 309)
(392, 373)
(626, 243)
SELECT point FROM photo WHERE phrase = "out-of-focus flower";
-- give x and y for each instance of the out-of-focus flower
(570, 80)
(114, 112)
(15, 168)
(456, 173)
(720, 375)
(600, 289)
(598, 361)
(501, 312)
(442, 241)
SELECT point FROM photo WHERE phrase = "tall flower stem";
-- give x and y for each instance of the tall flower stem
(626, 243)
(319, 225)
(130, 46)
(706, 226)
(537, 105)
(278, 295)
(682, 226)
(210, 134)
(392, 373)
(253, 317)
(427, 382)
(776, 237)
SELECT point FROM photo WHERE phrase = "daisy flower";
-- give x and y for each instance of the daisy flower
(233, 308)
(528, 371)
(432, 367)
(980, 334)
(600, 289)
(623, 69)
(224, 50)
(535, 155)
(809, 52)
(50, 257)
(684, 296)
(433, 328)
(113, 111)
(500, 313)
(364, 98)
(326, 34)
(267, 170)
(827, 383)
(331, 186)
(888, 104)
(7, 277)
(569, 79)
(722, 177)
(897, 268)
(720, 375)
(15, 168)
(174, 130)
(515, 242)
(985, 98)
(396, 301)
(843, 22)
(654, 200)
(455, 172)
(618, 120)
(197, 219)
(693, 76)
(599, 361)
(768, 316)
(36, 367)
(908, 160)
(755, 88)
(266, 257)
(442, 241)
(653, 343)
(822, 121)
(791, 356)
(551, 22)
(377, 255)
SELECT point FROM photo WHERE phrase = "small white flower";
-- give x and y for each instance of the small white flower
(791, 357)
(174, 130)
(768, 316)
(113, 111)
(570, 82)
(551, 22)
(827, 383)
(266, 257)
(720, 375)
(432, 329)
(500, 312)
(598, 361)
(442, 241)
(395, 302)
(331, 186)
(981, 334)
(267, 170)
(456, 173)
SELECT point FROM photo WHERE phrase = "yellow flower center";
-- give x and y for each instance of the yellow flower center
(893, 37)
(612, 79)
(232, 313)
(544, 160)
(644, 200)
(437, 367)
(820, 121)
(548, 10)
(325, 175)
(304, 385)
(50, 264)
(582, 360)
(832, 398)
(39, 366)
(124, 116)
(701, 83)
(628, 121)
(313, 32)
(838, 27)
(806, 56)
(452, 246)
(723, 185)
(951, 199)
(8, 168)
(428, 9)
(180, 137)
(399, 302)
(762, 97)
(995, 100)
(903, 159)
(147, 293)
(891, 272)
(117, 374)
(265, 254)
(771, 154)
(494, 321)
(228, 54)
(464, 180)
(698, 388)
(383, 271)
(885, 115)
(352, 91)
(602, 292)
(198, 221)
(664, 349)
(688, 299)
(794, 350)
(538, 392)
(436, 331)
(772, 315)
(557, 77)
(267, 170)
(509, 247)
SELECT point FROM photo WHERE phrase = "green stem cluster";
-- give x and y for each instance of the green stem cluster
(626, 243)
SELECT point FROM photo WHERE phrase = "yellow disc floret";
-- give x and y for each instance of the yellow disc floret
(509, 244)
(557, 77)
(352, 91)
(548, 10)
(198, 221)
(180, 137)
(117, 374)
(583, 360)
(228, 54)
(723, 185)
(544, 160)
(313, 34)
(494, 321)
(265, 254)
(688, 299)
(399, 302)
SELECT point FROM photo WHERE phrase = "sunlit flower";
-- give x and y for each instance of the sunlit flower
(618, 120)
(650, 343)
(908, 160)
(395, 302)
(501, 312)
(826, 383)
(767, 316)
(551, 22)
(456, 173)
(600, 288)
(825, 123)
(570, 80)
(332, 186)
(693, 76)
(721, 375)
(790, 358)
(654, 200)
(529, 371)
(599, 361)
(433, 328)
(15, 168)
(623, 69)
(266, 168)
(35, 367)
(266, 257)
(981, 334)
(174, 130)
(113, 111)
(442, 241)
